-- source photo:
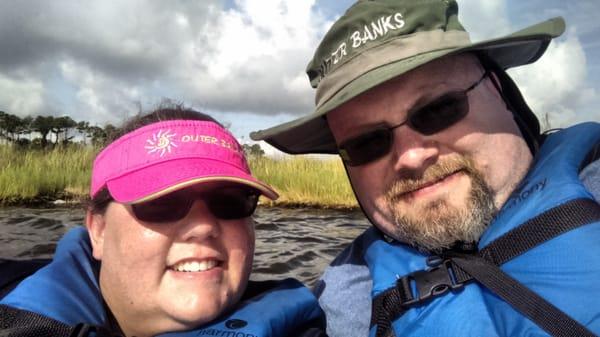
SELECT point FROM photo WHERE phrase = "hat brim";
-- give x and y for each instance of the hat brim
(157, 180)
(311, 134)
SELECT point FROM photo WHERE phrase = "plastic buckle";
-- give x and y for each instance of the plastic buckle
(429, 283)
(434, 260)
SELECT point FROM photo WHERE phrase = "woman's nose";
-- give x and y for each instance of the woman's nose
(199, 224)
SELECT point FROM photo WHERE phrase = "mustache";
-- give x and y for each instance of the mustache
(430, 175)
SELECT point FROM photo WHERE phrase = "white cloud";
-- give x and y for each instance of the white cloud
(484, 19)
(21, 96)
(556, 87)
(556, 84)
(107, 98)
(253, 58)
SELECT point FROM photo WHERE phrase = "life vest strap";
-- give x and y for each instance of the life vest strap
(453, 270)
(536, 308)
(537, 230)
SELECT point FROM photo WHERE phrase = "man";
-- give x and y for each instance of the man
(482, 226)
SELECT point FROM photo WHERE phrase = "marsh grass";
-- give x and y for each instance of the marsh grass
(33, 175)
(30, 176)
(306, 181)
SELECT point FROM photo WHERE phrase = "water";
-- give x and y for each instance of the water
(296, 243)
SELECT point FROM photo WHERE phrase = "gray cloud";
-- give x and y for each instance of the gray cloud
(484, 19)
(121, 38)
(113, 54)
(124, 45)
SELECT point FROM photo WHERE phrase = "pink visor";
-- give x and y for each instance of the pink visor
(167, 156)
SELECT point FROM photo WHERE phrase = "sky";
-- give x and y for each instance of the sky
(243, 61)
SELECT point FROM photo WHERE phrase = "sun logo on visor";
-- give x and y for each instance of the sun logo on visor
(161, 142)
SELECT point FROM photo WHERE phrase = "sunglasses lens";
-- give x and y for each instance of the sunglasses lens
(232, 203)
(441, 113)
(172, 207)
(225, 203)
(366, 147)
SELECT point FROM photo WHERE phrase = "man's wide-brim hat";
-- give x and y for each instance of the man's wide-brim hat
(377, 40)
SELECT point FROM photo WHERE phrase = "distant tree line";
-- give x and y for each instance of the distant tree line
(51, 130)
(253, 150)
(45, 131)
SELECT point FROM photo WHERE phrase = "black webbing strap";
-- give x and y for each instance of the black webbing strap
(386, 307)
(545, 226)
(537, 309)
(21, 323)
(450, 272)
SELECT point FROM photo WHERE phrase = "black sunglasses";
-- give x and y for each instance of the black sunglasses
(434, 117)
(227, 203)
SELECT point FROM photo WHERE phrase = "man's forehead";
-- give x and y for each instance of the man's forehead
(450, 68)
(394, 98)
(442, 72)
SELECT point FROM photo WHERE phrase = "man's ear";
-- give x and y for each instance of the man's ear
(95, 225)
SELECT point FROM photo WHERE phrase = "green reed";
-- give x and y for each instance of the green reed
(302, 180)
(33, 175)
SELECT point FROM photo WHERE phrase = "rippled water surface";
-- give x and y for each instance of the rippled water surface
(296, 243)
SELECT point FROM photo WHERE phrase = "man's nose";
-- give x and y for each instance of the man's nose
(199, 224)
(412, 151)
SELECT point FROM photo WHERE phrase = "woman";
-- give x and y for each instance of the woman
(169, 244)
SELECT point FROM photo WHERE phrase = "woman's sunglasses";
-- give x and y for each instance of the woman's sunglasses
(227, 203)
(434, 117)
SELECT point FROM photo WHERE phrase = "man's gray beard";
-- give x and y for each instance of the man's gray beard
(443, 226)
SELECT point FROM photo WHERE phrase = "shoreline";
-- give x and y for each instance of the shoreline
(77, 201)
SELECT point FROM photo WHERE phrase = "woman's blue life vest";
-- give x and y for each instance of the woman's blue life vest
(564, 270)
(67, 290)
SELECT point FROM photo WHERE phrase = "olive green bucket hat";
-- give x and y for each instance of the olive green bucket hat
(377, 40)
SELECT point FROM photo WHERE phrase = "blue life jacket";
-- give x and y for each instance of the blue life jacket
(564, 270)
(67, 290)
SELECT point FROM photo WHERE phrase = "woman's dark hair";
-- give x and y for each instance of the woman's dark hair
(99, 203)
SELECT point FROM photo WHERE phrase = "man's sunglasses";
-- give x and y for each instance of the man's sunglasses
(227, 203)
(434, 117)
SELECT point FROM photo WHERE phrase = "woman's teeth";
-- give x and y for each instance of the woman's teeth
(195, 266)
